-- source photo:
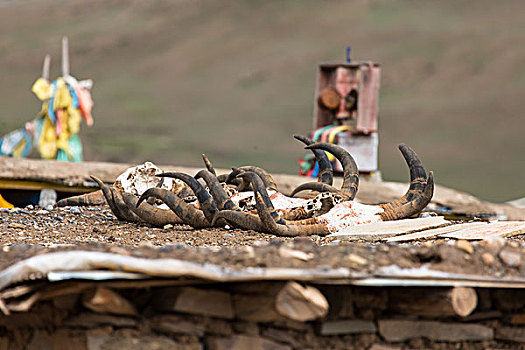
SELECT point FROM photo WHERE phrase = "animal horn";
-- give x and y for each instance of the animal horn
(417, 203)
(188, 214)
(231, 178)
(326, 173)
(208, 164)
(117, 206)
(150, 214)
(418, 178)
(240, 219)
(222, 201)
(315, 186)
(86, 199)
(267, 179)
(205, 200)
(283, 229)
(350, 172)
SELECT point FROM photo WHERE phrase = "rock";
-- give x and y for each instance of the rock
(495, 242)
(200, 301)
(16, 225)
(356, 259)
(138, 343)
(59, 339)
(347, 327)
(74, 210)
(488, 259)
(242, 342)
(217, 326)
(281, 336)
(510, 258)
(247, 328)
(402, 330)
(104, 300)
(287, 253)
(91, 320)
(465, 246)
(176, 325)
(515, 334)
(383, 347)
(256, 308)
(301, 303)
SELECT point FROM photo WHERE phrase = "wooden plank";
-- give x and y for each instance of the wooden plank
(499, 229)
(381, 230)
(432, 233)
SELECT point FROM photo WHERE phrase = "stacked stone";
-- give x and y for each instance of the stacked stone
(264, 315)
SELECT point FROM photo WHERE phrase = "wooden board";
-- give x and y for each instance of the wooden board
(492, 229)
(468, 231)
(381, 230)
(432, 233)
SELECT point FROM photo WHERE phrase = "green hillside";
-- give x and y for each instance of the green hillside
(235, 79)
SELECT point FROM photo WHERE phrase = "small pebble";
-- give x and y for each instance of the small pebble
(24, 211)
(488, 259)
(465, 246)
(42, 212)
(59, 218)
(168, 226)
(510, 258)
(229, 235)
(49, 207)
(495, 242)
(357, 259)
(30, 207)
(74, 210)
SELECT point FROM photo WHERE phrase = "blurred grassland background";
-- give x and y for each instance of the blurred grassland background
(235, 79)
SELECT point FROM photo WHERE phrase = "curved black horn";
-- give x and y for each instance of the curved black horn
(187, 213)
(326, 172)
(205, 200)
(222, 201)
(350, 172)
(417, 203)
(284, 229)
(115, 206)
(208, 164)
(315, 186)
(418, 177)
(149, 213)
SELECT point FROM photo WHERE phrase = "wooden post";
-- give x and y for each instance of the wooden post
(65, 57)
(445, 302)
(45, 67)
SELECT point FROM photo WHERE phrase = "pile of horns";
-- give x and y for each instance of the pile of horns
(248, 198)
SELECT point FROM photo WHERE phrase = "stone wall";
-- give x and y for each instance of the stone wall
(264, 315)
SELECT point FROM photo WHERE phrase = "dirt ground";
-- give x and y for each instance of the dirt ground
(32, 230)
